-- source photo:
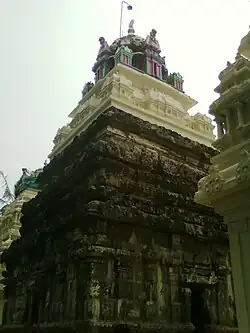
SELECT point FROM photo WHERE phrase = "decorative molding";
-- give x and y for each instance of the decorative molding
(194, 278)
(142, 96)
(212, 184)
(243, 168)
(61, 134)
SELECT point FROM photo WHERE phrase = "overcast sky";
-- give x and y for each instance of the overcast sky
(48, 48)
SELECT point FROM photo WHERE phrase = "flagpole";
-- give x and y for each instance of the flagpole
(129, 7)
(121, 19)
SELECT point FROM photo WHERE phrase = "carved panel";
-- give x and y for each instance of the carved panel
(212, 301)
(150, 282)
(243, 168)
(19, 306)
(70, 293)
(125, 278)
(186, 304)
(176, 312)
(213, 183)
(176, 241)
(108, 309)
(223, 311)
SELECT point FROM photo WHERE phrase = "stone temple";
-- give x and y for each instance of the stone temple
(114, 236)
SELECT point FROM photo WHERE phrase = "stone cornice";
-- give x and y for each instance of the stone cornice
(226, 74)
(225, 179)
(234, 95)
(147, 82)
(161, 135)
(236, 77)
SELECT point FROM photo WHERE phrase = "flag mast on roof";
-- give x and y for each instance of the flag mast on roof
(129, 7)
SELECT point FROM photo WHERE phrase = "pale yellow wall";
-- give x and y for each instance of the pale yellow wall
(142, 96)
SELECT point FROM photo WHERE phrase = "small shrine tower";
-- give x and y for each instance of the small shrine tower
(131, 75)
(25, 190)
(227, 186)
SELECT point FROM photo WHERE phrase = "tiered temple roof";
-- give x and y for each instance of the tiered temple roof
(131, 74)
(231, 109)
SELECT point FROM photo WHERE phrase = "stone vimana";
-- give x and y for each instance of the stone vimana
(113, 235)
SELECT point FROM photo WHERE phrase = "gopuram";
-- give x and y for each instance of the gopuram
(114, 235)
(25, 189)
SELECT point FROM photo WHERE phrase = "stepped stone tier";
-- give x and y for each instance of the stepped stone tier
(114, 235)
(25, 190)
(227, 186)
(131, 75)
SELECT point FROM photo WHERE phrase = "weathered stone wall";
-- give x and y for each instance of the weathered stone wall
(9, 231)
(114, 233)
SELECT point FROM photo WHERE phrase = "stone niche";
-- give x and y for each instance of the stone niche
(114, 234)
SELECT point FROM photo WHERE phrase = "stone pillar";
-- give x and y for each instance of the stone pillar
(227, 190)
(228, 121)
(219, 127)
(240, 115)
(239, 236)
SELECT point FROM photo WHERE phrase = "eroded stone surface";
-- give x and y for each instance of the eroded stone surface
(114, 235)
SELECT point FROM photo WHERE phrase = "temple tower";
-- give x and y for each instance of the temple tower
(227, 186)
(131, 75)
(114, 235)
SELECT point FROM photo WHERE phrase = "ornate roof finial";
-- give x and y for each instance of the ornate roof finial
(152, 35)
(103, 46)
(238, 56)
(131, 30)
(102, 42)
(152, 42)
(26, 173)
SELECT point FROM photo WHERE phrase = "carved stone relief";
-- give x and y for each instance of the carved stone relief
(212, 184)
(116, 237)
(243, 168)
